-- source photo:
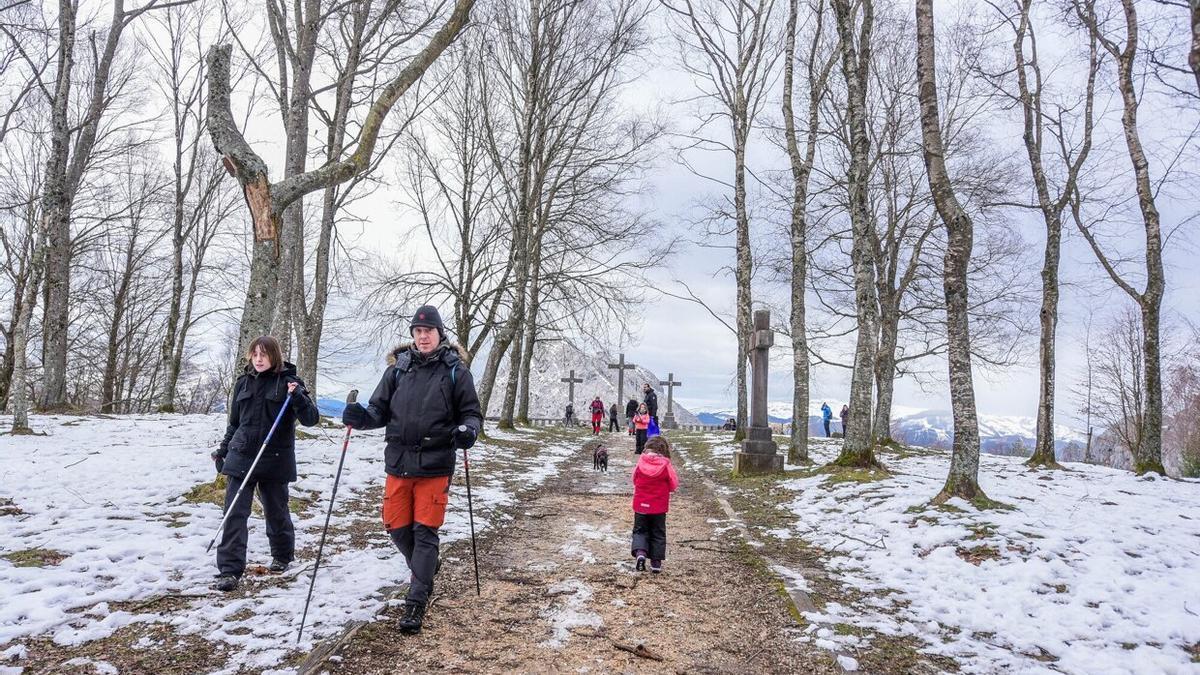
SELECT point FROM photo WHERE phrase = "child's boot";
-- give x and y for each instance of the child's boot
(641, 561)
(656, 566)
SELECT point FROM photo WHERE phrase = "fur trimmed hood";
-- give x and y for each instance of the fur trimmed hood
(404, 346)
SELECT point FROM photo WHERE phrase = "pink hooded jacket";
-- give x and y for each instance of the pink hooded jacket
(654, 480)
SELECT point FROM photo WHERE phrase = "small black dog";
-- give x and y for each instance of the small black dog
(600, 458)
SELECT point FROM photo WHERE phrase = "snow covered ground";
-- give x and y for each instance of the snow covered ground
(1093, 570)
(106, 493)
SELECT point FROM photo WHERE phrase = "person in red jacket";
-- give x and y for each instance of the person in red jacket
(597, 415)
(654, 480)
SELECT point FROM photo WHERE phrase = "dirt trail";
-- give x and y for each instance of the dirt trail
(560, 592)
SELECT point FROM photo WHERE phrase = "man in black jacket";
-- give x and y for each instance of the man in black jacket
(427, 401)
(651, 401)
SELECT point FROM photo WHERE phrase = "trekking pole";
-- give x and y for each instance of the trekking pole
(352, 398)
(471, 516)
(250, 472)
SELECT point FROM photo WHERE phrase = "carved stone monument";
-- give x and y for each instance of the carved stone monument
(759, 454)
(670, 383)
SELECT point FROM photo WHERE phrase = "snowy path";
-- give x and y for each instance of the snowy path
(127, 579)
(559, 592)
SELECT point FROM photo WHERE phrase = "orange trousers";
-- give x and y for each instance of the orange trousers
(422, 500)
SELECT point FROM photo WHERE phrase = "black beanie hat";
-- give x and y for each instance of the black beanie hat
(427, 316)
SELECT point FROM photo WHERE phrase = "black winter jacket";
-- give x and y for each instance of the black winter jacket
(651, 402)
(631, 409)
(257, 398)
(422, 400)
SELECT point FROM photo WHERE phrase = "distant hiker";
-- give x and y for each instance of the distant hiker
(257, 398)
(845, 415)
(612, 419)
(631, 409)
(826, 417)
(730, 425)
(569, 417)
(651, 400)
(654, 480)
(641, 422)
(597, 415)
(426, 399)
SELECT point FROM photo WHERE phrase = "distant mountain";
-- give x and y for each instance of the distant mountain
(332, 407)
(998, 434)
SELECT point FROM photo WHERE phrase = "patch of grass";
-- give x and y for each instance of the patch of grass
(302, 435)
(978, 554)
(9, 508)
(35, 557)
(212, 492)
(300, 501)
(981, 530)
(984, 503)
(1194, 650)
(852, 474)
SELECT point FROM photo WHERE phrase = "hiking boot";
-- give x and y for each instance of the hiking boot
(414, 615)
(278, 566)
(656, 566)
(641, 563)
(226, 583)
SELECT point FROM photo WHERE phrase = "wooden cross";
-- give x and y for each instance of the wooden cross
(620, 366)
(571, 380)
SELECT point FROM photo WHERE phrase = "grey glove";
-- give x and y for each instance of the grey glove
(219, 461)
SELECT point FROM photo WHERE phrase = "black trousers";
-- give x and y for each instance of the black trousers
(231, 552)
(612, 424)
(650, 535)
(640, 439)
(826, 428)
(419, 545)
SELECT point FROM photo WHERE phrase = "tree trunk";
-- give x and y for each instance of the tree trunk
(963, 479)
(855, 46)
(744, 271)
(530, 339)
(885, 371)
(19, 398)
(487, 383)
(801, 166)
(1194, 53)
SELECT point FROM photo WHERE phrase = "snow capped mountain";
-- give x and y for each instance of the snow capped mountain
(548, 394)
(998, 434)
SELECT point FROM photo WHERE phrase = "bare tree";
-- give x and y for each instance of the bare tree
(266, 201)
(72, 143)
(818, 63)
(855, 22)
(1057, 123)
(729, 48)
(1124, 51)
(963, 480)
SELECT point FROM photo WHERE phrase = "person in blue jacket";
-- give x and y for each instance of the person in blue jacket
(826, 417)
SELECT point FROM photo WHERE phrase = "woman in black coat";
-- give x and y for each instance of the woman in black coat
(257, 399)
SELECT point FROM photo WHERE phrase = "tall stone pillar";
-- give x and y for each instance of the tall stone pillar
(759, 453)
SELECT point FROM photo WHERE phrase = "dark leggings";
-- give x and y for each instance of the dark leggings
(650, 535)
(641, 441)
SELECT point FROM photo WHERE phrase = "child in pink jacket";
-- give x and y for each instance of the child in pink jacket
(654, 480)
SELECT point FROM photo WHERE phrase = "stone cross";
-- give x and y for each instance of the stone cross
(759, 454)
(620, 366)
(571, 380)
(670, 384)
